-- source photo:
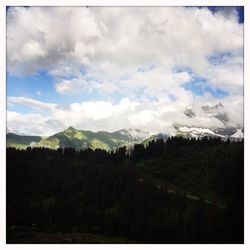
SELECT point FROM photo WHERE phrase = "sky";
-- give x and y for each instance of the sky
(109, 68)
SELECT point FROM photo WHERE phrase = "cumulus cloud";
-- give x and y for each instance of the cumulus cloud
(69, 87)
(157, 116)
(30, 124)
(114, 41)
(227, 74)
(143, 54)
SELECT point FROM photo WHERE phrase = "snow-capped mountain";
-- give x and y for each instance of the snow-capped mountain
(135, 135)
(191, 127)
(238, 134)
(197, 132)
(227, 129)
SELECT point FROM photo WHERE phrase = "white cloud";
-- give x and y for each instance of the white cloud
(111, 42)
(227, 75)
(73, 86)
(156, 81)
(133, 51)
(31, 103)
(31, 124)
(157, 116)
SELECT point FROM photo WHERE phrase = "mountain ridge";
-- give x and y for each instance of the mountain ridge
(110, 141)
(80, 139)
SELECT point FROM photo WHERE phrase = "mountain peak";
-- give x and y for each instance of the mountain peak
(135, 135)
(214, 108)
(189, 113)
(70, 128)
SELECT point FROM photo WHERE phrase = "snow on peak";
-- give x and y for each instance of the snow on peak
(238, 134)
(135, 134)
(196, 130)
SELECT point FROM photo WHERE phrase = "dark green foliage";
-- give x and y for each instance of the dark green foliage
(141, 196)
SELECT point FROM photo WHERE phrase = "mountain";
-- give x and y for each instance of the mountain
(134, 135)
(21, 141)
(80, 139)
(198, 132)
(195, 132)
(160, 136)
(238, 134)
(228, 129)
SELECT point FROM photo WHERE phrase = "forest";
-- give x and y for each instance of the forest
(173, 191)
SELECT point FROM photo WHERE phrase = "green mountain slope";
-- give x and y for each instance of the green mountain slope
(21, 141)
(73, 138)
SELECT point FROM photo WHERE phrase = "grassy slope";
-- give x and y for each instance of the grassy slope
(71, 137)
(20, 141)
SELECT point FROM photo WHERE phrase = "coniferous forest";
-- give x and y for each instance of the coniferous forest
(174, 191)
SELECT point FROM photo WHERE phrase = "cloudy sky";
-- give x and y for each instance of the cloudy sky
(107, 68)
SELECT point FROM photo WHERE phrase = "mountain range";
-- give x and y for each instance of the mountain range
(229, 129)
(82, 139)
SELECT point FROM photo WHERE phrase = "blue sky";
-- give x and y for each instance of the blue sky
(120, 64)
(239, 9)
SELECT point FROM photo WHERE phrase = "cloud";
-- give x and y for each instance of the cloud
(69, 87)
(143, 55)
(110, 43)
(30, 124)
(156, 82)
(227, 75)
(31, 103)
(156, 116)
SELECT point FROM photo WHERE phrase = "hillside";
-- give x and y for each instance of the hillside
(177, 191)
(110, 141)
(80, 139)
(21, 141)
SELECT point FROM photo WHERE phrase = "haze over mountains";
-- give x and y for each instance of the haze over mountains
(82, 139)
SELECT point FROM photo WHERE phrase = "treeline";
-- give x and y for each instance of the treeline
(127, 194)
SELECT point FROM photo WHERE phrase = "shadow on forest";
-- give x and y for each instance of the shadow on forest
(68, 196)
